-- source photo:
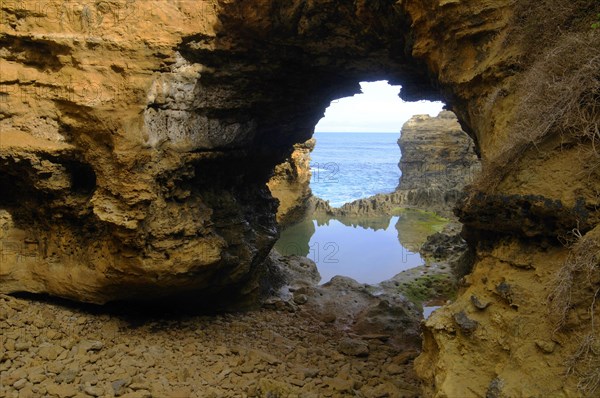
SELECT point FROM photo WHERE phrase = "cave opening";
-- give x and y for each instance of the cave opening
(356, 152)
(354, 158)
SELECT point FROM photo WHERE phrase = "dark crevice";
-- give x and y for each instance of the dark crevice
(40, 54)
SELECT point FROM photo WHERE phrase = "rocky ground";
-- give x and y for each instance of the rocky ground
(52, 350)
(341, 339)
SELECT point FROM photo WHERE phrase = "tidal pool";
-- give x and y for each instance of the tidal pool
(369, 250)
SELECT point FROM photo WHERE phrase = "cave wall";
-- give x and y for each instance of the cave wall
(115, 168)
(137, 138)
(161, 123)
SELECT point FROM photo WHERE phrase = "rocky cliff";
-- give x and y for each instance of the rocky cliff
(138, 137)
(438, 160)
(290, 184)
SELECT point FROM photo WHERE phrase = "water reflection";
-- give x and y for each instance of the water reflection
(369, 250)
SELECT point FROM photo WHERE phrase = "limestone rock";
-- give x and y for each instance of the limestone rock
(291, 184)
(466, 324)
(438, 160)
(136, 143)
(354, 347)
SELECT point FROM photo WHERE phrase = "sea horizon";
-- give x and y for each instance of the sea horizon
(357, 132)
(350, 166)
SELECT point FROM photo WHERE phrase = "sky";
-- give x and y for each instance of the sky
(378, 109)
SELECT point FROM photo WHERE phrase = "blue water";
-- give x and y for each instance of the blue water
(350, 166)
(368, 251)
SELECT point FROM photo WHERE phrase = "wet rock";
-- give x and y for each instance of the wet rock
(290, 184)
(443, 246)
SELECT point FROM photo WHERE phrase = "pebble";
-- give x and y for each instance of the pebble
(93, 391)
(119, 387)
(62, 391)
(268, 352)
(21, 346)
(300, 299)
(66, 376)
(19, 384)
(354, 347)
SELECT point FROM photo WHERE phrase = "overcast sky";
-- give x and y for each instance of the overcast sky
(378, 109)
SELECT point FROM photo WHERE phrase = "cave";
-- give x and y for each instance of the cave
(354, 160)
(157, 187)
(370, 165)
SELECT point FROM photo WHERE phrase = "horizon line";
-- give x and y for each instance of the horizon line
(357, 132)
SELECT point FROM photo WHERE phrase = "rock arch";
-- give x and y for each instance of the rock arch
(181, 110)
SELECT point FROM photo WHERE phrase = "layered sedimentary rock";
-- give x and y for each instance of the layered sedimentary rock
(122, 178)
(138, 137)
(290, 184)
(529, 98)
(438, 160)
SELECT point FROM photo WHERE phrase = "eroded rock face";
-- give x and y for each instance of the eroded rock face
(438, 160)
(291, 184)
(138, 137)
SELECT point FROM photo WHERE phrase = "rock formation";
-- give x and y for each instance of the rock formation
(438, 160)
(291, 184)
(138, 137)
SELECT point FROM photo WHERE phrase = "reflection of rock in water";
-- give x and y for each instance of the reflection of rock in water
(296, 239)
(374, 223)
(414, 226)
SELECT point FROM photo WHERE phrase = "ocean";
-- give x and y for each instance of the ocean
(346, 167)
(350, 166)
